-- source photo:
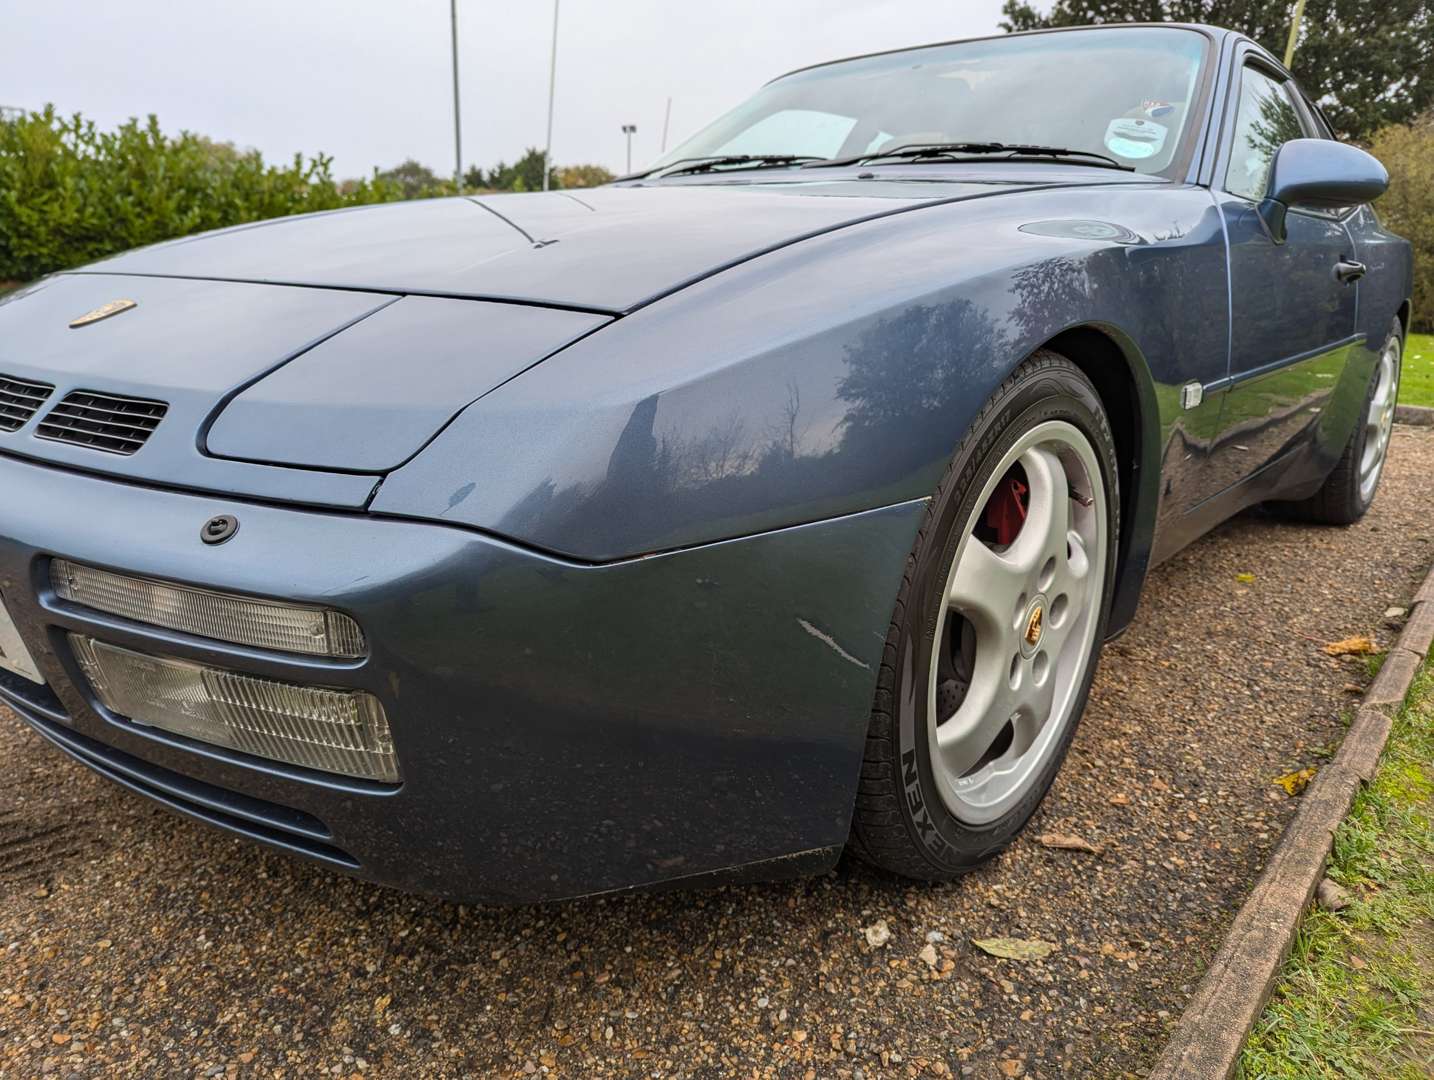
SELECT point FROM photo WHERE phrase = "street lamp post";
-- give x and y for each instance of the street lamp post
(629, 130)
(552, 87)
(1294, 33)
(457, 126)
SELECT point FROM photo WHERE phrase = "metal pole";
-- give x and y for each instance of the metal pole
(1294, 32)
(552, 88)
(666, 123)
(629, 130)
(457, 124)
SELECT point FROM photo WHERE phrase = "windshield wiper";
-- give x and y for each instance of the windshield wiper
(701, 165)
(955, 150)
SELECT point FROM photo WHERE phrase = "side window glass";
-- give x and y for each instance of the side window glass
(1265, 121)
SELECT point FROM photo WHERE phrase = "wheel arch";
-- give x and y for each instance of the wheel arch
(1117, 369)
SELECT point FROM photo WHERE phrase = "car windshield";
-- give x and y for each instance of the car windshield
(1125, 93)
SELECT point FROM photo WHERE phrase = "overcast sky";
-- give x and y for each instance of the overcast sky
(369, 81)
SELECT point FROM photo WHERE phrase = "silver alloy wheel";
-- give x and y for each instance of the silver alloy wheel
(1379, 422)
(1017, 628)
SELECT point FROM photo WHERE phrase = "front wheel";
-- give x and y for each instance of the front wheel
(997, 629)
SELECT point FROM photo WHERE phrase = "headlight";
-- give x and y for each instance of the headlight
(338, 731)
(241, 620)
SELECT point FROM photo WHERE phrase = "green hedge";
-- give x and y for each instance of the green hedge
(70, 194)
(1407, 151)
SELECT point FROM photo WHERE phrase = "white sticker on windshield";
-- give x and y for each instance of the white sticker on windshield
(1132, 137)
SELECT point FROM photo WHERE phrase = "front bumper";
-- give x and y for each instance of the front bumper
(562, 729)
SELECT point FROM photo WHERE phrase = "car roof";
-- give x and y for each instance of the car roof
(1215, 33)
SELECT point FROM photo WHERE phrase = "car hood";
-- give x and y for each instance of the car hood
(225, 386)
(606, 250)
(300, 359)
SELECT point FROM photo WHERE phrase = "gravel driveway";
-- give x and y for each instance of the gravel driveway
(135, 942)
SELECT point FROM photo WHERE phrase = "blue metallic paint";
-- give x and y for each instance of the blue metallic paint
(758, 377)
(1320, 174)
(627, 246)
(562, 729)
(197, 342)
(370, 398)
(792, 389)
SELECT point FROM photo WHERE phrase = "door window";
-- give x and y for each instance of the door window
(1266, 120)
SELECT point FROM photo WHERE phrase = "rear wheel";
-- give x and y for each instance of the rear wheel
(1349, 489)
(994, 641)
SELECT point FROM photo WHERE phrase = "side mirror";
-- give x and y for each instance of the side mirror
(1321, 175)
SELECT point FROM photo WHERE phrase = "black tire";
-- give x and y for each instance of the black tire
(901, 823)
(1340, 501)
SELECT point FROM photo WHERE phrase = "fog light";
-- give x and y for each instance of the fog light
(241, 620)
(338, 731)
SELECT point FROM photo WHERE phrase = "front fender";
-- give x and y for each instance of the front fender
(827, 378)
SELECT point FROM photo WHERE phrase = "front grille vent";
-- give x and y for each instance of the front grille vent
(19, 400)
(117, 425)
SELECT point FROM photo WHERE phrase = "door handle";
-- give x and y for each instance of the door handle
(1348, 270)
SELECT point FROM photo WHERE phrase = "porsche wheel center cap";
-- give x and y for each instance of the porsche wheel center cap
(1034, 627)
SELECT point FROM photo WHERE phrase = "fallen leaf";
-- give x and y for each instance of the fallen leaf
(1245, 579)
(1295, 782)
(1067, 842)
(1331, 896)
(1015, 948)
(1359, 645)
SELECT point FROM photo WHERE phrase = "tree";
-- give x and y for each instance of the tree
(71, 193)
(583, 176)
(1368, 65)
(413, 178)
(1407, 151)
(475, 179)
(525, 174)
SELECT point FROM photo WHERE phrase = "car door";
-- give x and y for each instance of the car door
(1292, 316)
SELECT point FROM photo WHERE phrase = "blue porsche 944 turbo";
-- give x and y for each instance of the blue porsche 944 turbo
(773, 501)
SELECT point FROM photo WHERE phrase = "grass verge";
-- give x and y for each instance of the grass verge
(1356, 997)
(1416, 386)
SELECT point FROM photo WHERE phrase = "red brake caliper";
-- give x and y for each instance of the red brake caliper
(1006, 510)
